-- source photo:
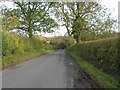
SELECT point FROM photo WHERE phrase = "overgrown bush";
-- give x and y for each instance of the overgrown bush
(61, 42)
(102, 53)
(15, 44)
(11, 44)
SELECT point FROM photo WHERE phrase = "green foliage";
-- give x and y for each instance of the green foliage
(0, 21)
(15, 44)
(93, 36)
(62, 42)
(34, 16)
(103, 79)
(10, 22)
(102, 53)
(16, 48)
(80, 18)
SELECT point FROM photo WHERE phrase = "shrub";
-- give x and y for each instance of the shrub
(102, 53)
(15, 44)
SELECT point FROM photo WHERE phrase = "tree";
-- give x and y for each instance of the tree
(85, 17)
(62, 14)
(34, 17)
(66, 19)
(82, 12)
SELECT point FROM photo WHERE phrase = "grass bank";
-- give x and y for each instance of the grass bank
(105, 80)
(12, 60)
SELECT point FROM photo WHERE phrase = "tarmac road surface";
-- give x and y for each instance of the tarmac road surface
(54, 70)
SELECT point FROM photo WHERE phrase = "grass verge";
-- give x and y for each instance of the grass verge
(12, 60)
(105, 80)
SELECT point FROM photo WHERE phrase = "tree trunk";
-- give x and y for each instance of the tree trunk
(68, 32)
(29, 22)
(30, 31)
(78, 39)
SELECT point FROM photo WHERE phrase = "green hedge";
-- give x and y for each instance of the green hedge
(101, 53)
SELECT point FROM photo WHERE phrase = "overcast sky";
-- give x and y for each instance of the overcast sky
(110, 4)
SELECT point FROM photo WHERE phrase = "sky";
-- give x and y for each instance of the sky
(110, 4)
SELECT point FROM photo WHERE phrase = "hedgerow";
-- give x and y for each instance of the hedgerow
(104, 54)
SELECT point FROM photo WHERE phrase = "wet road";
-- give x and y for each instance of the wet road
(54, 70)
